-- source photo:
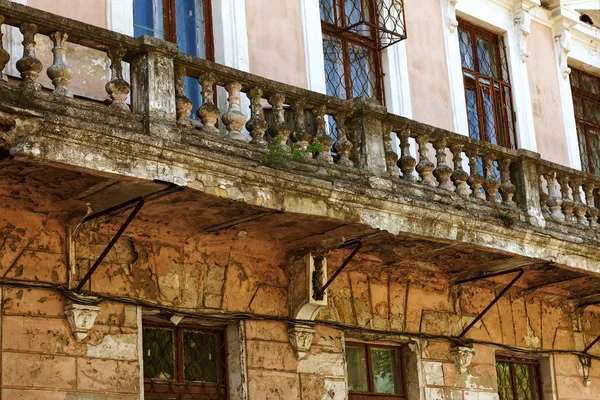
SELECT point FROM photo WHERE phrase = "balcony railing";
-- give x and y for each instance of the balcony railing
(427, 162)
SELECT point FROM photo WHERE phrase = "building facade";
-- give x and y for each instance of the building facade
(300, 199)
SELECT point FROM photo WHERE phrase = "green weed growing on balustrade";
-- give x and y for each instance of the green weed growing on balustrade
(278, 155)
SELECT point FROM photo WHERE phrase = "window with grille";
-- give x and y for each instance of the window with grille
(518, 379)
(487, 86)
(586, 103)
(354, 33)
(184, 362)
(188, 23)
(374, 372)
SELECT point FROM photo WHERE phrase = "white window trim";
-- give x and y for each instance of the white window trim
(313, 45)
(500, 17)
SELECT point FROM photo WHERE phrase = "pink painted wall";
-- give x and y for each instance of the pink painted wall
(545, 97)
(88, 11)
(427, 68)
(275, 40)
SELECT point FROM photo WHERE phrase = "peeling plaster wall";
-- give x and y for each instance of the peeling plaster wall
(41, 359)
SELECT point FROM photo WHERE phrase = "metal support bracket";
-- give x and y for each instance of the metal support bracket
(319, 290)
(140, 202)
(520, 273)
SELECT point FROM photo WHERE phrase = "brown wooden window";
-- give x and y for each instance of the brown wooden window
(374, 372)
(487, 86)
(183, 362)
(354, 33)
(586, 103)
(518, 379)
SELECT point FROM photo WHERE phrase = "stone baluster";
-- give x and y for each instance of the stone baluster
(567, 204)
(256, 125)
(234, 119)
(554, 200)
(580, 209)
(29, 66)
(4, 56)
(59, 72)
(442, 171)
(544, 199)
(118, 88)
(208, 112)
(301, 133)
(490, 184)
(507, 188)
(322, 136)
(592, 211)
(282, 130)
(391, 158)
(475, 180)
(183, 105)
(459, 175)
(342, 146)
(406, 162)
(425, 166)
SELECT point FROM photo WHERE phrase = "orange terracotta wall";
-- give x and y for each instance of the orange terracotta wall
(427, 68)
(88, 11)
(545, 97)
(275, 40)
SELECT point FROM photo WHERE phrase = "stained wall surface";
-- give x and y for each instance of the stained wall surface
(275, 40)
(545, 97)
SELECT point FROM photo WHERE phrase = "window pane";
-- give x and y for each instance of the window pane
(385, 370)
(327, 11)
(200, 357)
(594, 137)
(472, 114)
(190, 27)
(334, 67)
(148, 18)
(574, 78)
(357, 369)
(504, 381)
(158, 354)
(361, 71)
(589, 83)
(466, 50)
(486, 53)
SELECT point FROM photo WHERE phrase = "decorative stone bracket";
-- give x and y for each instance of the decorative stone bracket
(81, 317)
(586, 365)
(462, 357)
(305, 272)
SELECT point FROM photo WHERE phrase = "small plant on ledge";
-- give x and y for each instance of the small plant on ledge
(278, 155)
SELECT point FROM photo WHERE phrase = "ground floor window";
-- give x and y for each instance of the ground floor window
(518, 379)
(184, 362)
(374, 372)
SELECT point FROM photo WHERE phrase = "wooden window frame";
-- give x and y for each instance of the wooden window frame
(353, 395)
(170, 21)
(179, 388)
(583, 121)
(504, 121)
(511, 361)
(340, 32)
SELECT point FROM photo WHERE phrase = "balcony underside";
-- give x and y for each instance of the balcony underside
(274, 234)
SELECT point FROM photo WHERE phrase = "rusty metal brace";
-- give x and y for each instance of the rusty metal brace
(319, 292)
(520, 271)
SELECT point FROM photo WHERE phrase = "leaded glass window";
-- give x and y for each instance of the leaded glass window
(586, 104)
(374, 371)
(183, 362)
(487, 86)
(518, 379)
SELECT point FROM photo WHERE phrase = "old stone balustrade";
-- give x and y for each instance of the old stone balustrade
(356, 141)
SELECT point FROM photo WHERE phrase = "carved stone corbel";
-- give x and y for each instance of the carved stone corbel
(462, 356)
(586, 365)
(562, 40)
(305, 273)
(81, 318)
(452, 21)
(522, 20)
